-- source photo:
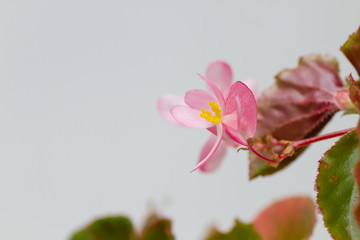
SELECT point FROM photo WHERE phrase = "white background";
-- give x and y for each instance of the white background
(80, 137)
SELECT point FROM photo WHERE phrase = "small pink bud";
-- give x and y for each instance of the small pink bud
(344, 102)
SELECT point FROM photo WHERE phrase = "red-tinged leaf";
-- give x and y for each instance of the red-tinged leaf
(351, 49)
(337, 193)
(157, 228)
(292, 218)
(239, 231)
(357, 181)
(298, 106)
(354, 92)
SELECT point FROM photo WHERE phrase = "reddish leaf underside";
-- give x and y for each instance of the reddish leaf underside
(351, 49)
(298, 106)
(292, 218)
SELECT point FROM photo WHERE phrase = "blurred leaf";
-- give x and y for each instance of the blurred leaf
(240, 231)
(354, 92)
(337, 192)
(292, 218)
(157, 228)
(298, 106)
(351, 49)
(110, 228)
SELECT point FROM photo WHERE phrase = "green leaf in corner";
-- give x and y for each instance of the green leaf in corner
(351, 49)
(357, 180)
(240, 231)
(157, 228)
(291, 218)
(357, 206)
(336, 190)
(110, 228)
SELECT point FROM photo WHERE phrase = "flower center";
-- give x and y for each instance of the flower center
(207, 114)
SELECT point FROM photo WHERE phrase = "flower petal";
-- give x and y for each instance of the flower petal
(167, 102)
(212, 149)
(220, 73)
(234, 120)
(199, 99)
(215, 90)
(215, 160)
(226, 138)
(189, 117)
(240, 113)
(251, 84)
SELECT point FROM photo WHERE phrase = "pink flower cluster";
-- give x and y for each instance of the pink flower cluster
(227, 110)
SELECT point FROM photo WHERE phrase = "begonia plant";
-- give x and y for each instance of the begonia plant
(275, 127)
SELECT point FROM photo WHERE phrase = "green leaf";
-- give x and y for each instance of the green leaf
(357, 206)
(157, 228)
(110, 228)
(292, 218)
(259, 167)
(337, 192)
(351, 49)
(357, 180)
(240, 231)
(297, 106)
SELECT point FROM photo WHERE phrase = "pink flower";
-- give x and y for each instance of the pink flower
(232, 118)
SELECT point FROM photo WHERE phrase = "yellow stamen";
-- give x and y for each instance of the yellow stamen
(207, 114)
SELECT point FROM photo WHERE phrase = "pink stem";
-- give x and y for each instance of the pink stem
(305, 142)
(261, 156)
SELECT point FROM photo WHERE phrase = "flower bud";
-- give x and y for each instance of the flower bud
(344, 102)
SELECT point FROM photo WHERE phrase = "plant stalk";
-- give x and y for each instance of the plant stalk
(307, 141)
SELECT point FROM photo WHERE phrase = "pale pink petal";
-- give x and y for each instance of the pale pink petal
(189, 117)
(238, 136)
(234, 120)
(220, 73)
(213, 149)
(215, 160)
(240, 99)
(167, 102)
(199, 99)
(226, 138)
(215, 90)
(251, 84)
(238, 112)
